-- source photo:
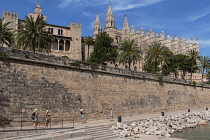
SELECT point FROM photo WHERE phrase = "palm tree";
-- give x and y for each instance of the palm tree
(89, 41)
(193, 57)
(6, 36)
(157, 54)
(128, 53)
(34, 35)
(205, 64)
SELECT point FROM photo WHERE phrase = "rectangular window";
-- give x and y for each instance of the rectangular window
(51, 30)
(59, 31)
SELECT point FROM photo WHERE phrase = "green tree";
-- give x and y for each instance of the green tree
(89, 41)
(208, 76)
(103, 51)
(128, 53)
(150, 68)
(6, 35)
(205, 64)
(34, 36)
(180, 62)
(157, 55)
(193, 57)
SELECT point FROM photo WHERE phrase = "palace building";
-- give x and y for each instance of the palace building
(67, 40)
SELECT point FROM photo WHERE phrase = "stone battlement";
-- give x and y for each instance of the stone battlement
(152, 34)
(5, 12)
(73, 24)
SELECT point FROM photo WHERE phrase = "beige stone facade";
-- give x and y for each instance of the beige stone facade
(46, 82)
(144, 40)
(67, 40)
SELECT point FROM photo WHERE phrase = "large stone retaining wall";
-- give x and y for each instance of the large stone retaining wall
(29, 81)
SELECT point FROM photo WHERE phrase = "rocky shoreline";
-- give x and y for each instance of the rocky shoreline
(163, 125)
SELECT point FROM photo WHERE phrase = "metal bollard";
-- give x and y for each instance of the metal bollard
(119, 119)
(188, 110)
(162, 113)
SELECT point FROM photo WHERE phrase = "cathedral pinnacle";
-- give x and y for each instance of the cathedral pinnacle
(110, 18)
(97, 19)
(125, 26)
(97, 25)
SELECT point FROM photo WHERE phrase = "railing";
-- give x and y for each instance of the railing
(26, 123)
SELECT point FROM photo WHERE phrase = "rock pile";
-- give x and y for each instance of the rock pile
(162, 126)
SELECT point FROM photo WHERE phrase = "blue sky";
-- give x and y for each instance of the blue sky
(182, 18)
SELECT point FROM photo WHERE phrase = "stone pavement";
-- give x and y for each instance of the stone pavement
(107, 122)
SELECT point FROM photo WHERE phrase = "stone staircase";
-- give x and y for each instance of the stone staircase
(101, 132)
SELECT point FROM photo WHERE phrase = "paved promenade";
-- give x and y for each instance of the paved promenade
(93, 123)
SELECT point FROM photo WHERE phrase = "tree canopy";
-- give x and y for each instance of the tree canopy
(6, 35)
(205, 64)
(34, 36)
(193, 57)
(157, 55)
(88, 41)
(103, 51)
(128, 53)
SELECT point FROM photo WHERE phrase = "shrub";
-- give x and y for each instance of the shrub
(4, 56)
(194, 84)
(160, 78)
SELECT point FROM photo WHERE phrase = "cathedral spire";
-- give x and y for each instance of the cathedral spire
(125, 25)
(109, 18)
(97, 25)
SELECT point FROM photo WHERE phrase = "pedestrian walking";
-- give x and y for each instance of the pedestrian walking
(48, 118)
(34, 118)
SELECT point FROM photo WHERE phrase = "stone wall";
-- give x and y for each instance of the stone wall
(30, 80)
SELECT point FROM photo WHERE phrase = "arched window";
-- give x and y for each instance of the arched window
(135, 68)
(60, 47)
(59, 31)
(126, 67)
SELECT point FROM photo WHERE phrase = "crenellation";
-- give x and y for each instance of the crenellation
(169, 37)
(12, 17)
(162, 35)
(138, 31)
(197, 40)
(74, 24)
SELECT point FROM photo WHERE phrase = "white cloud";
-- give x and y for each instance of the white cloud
(116, 4)
(88, 14)
(205, 42)
(198, 16)
(125, 5)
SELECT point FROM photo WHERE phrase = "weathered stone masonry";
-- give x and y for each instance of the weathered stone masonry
(29, 80)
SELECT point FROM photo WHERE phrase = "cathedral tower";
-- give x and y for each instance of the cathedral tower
(126, 29)
(38, 11)
(110, 18)
(12, 18)
(110, 24)
(97, 25)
